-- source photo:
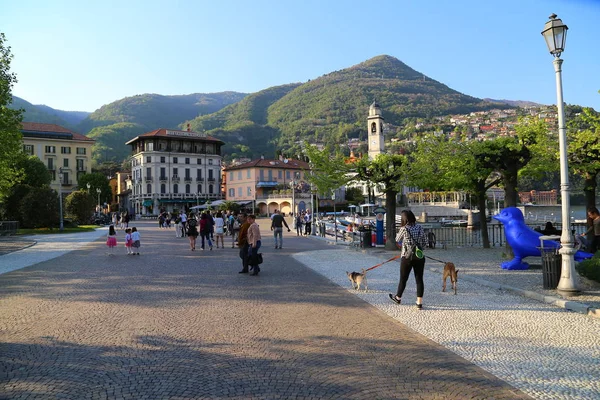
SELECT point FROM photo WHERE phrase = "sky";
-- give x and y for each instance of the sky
(80, 55)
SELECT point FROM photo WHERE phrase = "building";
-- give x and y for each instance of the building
(375, 128)
(271, 185)
(173, 170)
(61, 150)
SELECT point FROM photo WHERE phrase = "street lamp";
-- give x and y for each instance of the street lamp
(60, 210)
(98, 190)
(88, 187)
(555, 34)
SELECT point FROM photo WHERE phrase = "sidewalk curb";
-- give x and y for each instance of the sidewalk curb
(570, 305)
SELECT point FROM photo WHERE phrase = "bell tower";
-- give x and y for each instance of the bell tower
(375, 129)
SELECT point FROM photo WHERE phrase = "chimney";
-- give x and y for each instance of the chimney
(188, 128)
(262, 156)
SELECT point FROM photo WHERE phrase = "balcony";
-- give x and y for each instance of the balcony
(51, 168)
(200, 179)
(187, 179)
(175, 178)
(211, 179)
(149, 179)
(163, 179)
(80, 168)
(67, 183)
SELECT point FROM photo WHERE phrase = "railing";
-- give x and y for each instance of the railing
(284, 196)
(199, 180)
(175, 179)
(211, 179)
(8, 228)
(187, 179)
(80, 168)
(163, 178)
(149, 179)
(67, 183)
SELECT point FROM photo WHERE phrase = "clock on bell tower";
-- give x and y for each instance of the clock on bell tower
(375, 129)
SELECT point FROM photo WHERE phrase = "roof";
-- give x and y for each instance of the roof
(271, 163)
(49, 130)
(176, 134)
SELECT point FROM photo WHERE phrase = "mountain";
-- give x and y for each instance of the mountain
(114, 124)
(515, 103)
(71, 117)
(333, 108)
(35, 113)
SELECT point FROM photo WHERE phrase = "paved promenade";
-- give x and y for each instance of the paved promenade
(177, 324)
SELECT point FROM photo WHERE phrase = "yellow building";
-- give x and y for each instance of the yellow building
(270, 184)
(60, 150)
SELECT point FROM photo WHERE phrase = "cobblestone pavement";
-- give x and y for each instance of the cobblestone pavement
(176, 324)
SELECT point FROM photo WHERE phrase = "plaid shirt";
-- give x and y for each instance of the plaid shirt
(417, 233)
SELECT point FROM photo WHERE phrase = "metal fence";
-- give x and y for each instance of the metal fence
(8, 228)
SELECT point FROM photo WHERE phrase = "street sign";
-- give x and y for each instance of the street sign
(379, 210)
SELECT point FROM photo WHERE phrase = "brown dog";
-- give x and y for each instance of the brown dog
(357, 278)
(450, 271)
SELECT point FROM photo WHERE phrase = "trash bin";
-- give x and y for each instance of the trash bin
(551, 266)
(365, 231)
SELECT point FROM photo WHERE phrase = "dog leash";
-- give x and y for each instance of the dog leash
(435, 259)
(380, 264)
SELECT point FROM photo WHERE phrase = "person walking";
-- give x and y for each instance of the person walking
(410, 233)
(243, 241)
(205, 228)
(235, 229)
(299, 223)
(128, 241)
(183, 222)
(135, 237)
(277, 222)
(254, 242)
(111, 240)
(192, 231)
(307, 223)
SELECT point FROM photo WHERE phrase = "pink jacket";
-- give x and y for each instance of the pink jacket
(253, 234)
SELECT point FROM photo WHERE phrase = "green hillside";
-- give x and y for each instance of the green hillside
(72, 118)
(34, 113)
(114, 124)
(243, 125)
(332, 108)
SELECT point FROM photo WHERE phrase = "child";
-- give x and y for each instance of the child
(135, 238)
(111, 240)
(128, 241)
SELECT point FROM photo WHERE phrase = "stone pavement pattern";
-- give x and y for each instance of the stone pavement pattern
(546, 351)
(177, 324)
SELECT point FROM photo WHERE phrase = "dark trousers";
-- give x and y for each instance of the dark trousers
(244, 256)
(405, 267)
(307, 226)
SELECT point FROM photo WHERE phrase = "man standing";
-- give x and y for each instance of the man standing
(243, 242)
(184, 226)
(307, 223)
(593, 233)
(277, 222)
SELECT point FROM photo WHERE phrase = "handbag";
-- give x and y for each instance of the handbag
(414, 252)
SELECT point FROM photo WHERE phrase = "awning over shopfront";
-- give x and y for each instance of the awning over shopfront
(188, 201)
(147, 203)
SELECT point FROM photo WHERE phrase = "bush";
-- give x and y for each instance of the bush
(79, 205)
(590, 268)
(39, 208)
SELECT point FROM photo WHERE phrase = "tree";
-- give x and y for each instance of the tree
(584, 151)
(229, 205)
(387, 171)
(10, 124)
(329, 170)
(12, 202)
(39, 208)
(35, 173)
(96, 181)
(80, 205)
(354, 195)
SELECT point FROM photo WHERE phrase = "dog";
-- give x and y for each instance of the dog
(357, 278)
(450, 271)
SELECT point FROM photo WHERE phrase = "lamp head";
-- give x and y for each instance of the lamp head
(555, 34)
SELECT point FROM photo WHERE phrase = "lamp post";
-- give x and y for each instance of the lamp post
(98, 190)
(88, 187)
(555, 34)
(60, 211)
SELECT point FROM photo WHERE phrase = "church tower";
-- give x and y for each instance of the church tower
(375, 129)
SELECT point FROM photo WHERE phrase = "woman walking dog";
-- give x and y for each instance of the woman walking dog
(410, 234)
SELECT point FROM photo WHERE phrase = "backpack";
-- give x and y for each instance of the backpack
(192, 222)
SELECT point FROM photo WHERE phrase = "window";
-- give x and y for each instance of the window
(163, 173)
(262, 174)
(80, 166)
(175, 170)
(199, 161)
(249, 191)
(270, 175)
(210, 189)
(239, 175)
(199, 189)
(81, 150)
(50, 149)
(239, 192)
(149, 159)
(51, 164)
(231, 192)
(187, 189)
(163, 188)
(162, 160)
(28, 149)
(65, 178)
(175, 188)
(287, 174)
(230, 176)
(187, 160)
(65, 150)
(198, 174)
(248, 174)
(148, 188)
(187, 173)
(149, 146)
(210, 174)
(148, 173)
(66, 162)
(280, 174)
(210, 162)
(174, 160)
